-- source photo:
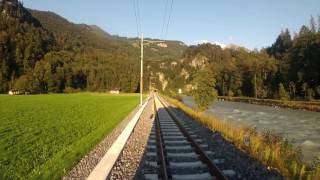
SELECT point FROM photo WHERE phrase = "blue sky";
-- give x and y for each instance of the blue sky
(250, 23)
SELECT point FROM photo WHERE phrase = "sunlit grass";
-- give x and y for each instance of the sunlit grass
(272, 150)
(43, 136)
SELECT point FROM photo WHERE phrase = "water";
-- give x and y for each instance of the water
(300, 127)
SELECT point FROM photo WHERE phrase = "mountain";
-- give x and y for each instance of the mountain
(70, 35)
(14, 9)
(44, 52)
(97, 30)
(23, 42)
(94, 36)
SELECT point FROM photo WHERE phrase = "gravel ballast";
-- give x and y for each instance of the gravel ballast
(233, 158)
(128, 163)
(89, 161)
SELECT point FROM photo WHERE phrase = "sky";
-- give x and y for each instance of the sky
(249, 23)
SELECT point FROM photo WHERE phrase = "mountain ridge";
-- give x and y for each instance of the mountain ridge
(42, 51)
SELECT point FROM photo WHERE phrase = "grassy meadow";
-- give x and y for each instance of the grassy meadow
(43, 136)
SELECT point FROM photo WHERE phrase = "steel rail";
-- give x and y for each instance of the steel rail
(213, 169)
(163, 164)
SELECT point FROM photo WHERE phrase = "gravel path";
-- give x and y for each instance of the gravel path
(88, 162)
(128, 162)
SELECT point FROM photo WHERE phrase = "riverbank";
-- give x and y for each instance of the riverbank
(302, 105)
(272, 150)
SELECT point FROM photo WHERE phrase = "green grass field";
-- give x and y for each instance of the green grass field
(43, 136)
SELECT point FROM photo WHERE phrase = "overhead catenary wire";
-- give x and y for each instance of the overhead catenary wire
(137, 16)
(169, 18)
(164, 19)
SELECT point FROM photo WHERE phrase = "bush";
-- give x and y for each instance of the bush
(283, 94)
(310, 94)
(205, 92)
(22, 83)
(70, 90)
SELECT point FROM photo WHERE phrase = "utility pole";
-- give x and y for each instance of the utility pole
(141, 71)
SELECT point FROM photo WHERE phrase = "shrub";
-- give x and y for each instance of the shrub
(283, 94)
(71, 90)
(310, 94)
(205, 92)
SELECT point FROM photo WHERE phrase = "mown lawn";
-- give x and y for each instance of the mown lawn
(43, 136)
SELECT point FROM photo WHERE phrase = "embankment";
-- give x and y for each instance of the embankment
(302, 105)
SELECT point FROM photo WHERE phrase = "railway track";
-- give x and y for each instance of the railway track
(175, 152)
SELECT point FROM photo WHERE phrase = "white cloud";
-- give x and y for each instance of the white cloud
(201, 42)
(222, 45)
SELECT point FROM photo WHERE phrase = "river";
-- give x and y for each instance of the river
(300, 127)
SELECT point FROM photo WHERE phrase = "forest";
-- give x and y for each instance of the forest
(41, 52)
(288, 69)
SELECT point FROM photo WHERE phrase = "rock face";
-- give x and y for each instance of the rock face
(163, 80)
(14, 9)
(199, 61)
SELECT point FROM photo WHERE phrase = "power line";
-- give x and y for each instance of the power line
(137, 16)
(164, 19)
(170, 12)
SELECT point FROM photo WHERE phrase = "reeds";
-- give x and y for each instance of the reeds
(272, 150)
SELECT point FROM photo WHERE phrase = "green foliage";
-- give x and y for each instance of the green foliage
(22, 83)
(310, 94)
(204, 93)
(54, 54)
(70, 90)
(43, 136)
(237, 71)
(283, 94)
(294, 61)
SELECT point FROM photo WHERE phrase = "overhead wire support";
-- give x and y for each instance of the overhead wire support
(138, 23)
(141, 71)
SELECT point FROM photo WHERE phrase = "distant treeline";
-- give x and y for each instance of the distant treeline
(289, 69)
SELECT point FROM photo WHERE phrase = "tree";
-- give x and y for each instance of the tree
(310, 94)
(204, 93)
(304, 31)
(313, 26)
(22, 83)
(292, 88)
(283, 94)
(319, 23)
(304, 88)
(282, 45)
(317, 90)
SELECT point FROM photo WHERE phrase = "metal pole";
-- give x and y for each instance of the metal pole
(141, 72)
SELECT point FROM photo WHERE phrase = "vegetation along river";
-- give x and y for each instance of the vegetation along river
(301, 127)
